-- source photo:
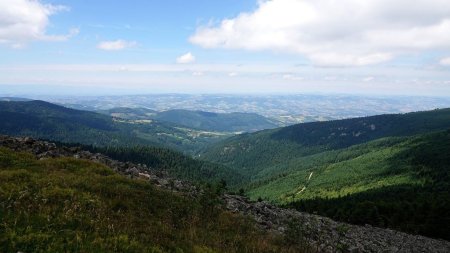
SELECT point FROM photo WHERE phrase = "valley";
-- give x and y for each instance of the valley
(283, 109)
(257, 126)
(360, 170)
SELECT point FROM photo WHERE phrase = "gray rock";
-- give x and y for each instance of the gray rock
(330, 236)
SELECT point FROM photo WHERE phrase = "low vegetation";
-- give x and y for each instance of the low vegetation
(70, 205)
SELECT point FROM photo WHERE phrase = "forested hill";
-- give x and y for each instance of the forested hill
(208, 121)
(228, 122)
(41, 119)
(174, 163)
(388, 170)
(255, 151)
(344, 133)
(65, 199)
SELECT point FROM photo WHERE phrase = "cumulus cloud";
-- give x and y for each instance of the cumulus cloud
(115, 45)
(186, 58)
(335, 33)
(445, 61)
(23, 21)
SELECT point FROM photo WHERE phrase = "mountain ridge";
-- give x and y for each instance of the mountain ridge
(45, 120)
(197, 119)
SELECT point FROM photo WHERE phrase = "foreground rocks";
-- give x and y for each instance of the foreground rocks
(326, 235)
(320, 233)
(44, 150)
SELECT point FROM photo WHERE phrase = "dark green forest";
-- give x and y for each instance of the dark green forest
(373, 180)
(176, 164)
(421, 208)
(255, 151)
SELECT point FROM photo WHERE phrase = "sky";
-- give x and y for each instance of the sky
(371, 47)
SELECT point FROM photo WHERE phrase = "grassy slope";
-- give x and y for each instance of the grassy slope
(68, 205)
(45, 120)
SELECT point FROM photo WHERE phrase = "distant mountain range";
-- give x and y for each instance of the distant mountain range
(287, 109)
(208, 121)
(41, 119)
(17, 99)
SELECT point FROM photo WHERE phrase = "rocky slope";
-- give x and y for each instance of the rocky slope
(323, 234)
(327, 235)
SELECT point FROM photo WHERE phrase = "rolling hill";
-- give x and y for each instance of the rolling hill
(130, 113)
(208, 121)
(364, 171)
(44, 120)
(253, 152)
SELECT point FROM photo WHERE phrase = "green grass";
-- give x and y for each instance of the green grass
(69, 205)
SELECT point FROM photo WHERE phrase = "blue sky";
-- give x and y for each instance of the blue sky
(371, 47)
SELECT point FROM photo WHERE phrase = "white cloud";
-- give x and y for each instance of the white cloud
(116, 45)
(23, 21)
(232, 74)
(445, 61)
(335, 33)
(292, 77)
(368, 79)
(186, 58)
(198, 73)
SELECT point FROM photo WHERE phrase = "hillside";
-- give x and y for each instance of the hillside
(174, 163)
(67, 199)
(371, 180)
(224, 122)
(72, 205)
(40, 119)
(130, 113)
(208, 121)
(396, 182)
(253, 152)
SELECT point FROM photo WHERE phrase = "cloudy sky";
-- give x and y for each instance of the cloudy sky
(376, 47)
